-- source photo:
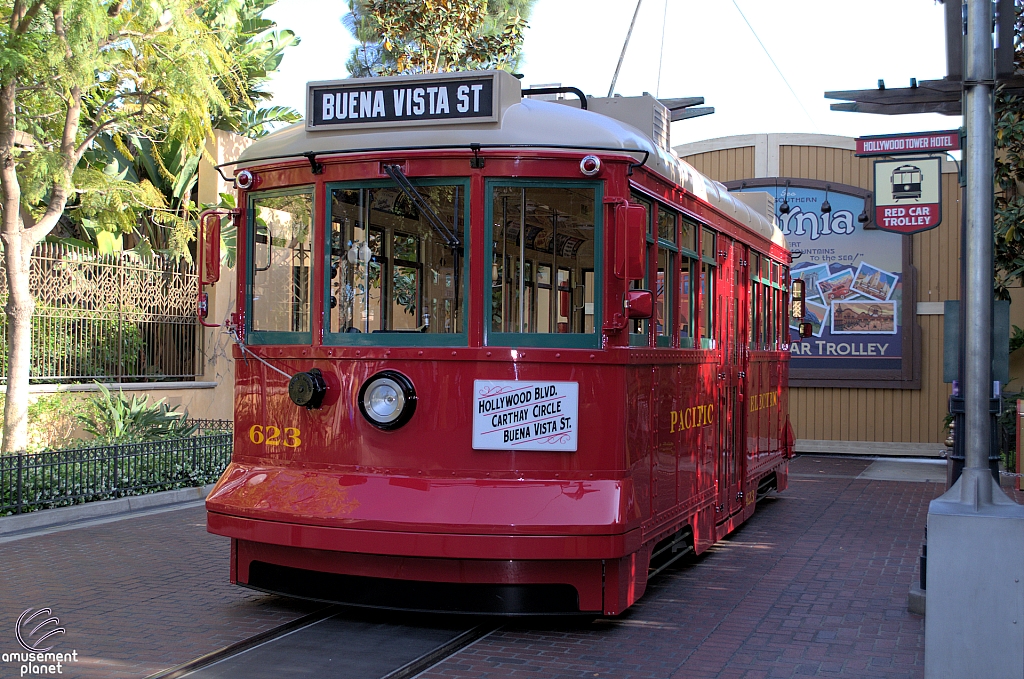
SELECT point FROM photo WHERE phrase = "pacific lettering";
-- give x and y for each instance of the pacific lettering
(691, 418)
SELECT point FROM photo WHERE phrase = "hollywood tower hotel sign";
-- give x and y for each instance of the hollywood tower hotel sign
(856, 281)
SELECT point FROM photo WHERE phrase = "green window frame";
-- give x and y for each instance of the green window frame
(582, 340)
(263, 337)
(689, 263)
(406, 339)
(708, 269)
(667, 272)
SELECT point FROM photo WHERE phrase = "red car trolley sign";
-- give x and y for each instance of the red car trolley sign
(908, 196)
(515, 415)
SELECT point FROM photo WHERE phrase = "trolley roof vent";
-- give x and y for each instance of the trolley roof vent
(645, 113)
(761, 202)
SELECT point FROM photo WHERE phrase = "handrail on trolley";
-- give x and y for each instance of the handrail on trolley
(311, 156)
(559, 90)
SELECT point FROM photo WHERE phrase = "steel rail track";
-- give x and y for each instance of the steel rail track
(404, 671)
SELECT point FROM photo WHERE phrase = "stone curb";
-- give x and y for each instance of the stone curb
(46, 518)
(916, 599)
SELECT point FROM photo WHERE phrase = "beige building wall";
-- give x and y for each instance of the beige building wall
(873, 421)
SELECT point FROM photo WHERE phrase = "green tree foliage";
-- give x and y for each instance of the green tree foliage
(257, 46)
(70, 71)
(1009, 178)
(162, 171)
(433, 36)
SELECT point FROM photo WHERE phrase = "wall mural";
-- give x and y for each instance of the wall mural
(854, 277)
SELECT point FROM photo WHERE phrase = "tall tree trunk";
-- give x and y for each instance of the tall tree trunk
(20, 305)
(18, 240)
(19, 298)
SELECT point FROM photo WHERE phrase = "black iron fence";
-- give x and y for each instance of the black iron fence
(59, 478)
(112, 318)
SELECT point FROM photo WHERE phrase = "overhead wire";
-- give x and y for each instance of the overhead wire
(779, 70)
(661, 53)
(622, 55)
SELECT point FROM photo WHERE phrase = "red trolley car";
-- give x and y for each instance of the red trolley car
(493, 353)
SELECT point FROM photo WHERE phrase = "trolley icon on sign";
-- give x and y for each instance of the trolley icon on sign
(906, 182)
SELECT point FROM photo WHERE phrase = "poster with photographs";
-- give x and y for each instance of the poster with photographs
(853, 281)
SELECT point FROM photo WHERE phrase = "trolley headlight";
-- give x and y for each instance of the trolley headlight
(387, 400)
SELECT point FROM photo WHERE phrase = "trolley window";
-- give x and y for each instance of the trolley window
(545, 263)
(396, 265)
(689, 269)
(707, 288)
(278, 262)
(639, 329)
(668, 221)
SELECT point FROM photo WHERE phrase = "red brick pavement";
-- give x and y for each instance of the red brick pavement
(814, 585)
(136, 596)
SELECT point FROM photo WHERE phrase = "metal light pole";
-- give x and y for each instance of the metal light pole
(979, 119)
(974, 610)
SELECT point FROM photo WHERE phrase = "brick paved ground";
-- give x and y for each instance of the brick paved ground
(136, 596)
(814, 585)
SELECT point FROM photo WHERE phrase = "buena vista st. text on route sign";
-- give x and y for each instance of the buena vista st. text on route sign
(367, 102)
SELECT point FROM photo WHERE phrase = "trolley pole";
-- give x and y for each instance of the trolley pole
(975, 600)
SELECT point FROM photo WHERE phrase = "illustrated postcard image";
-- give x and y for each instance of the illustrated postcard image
(864, 318)
(874, 283)
(837, 287)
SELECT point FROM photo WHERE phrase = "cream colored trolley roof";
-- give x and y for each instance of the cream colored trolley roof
(521, 122)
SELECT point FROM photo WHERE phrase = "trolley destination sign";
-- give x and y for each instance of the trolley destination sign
(515, 415)
(387, 102)
(915, 142)
(908, 196)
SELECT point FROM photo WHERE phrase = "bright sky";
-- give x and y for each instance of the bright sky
(708, 51)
